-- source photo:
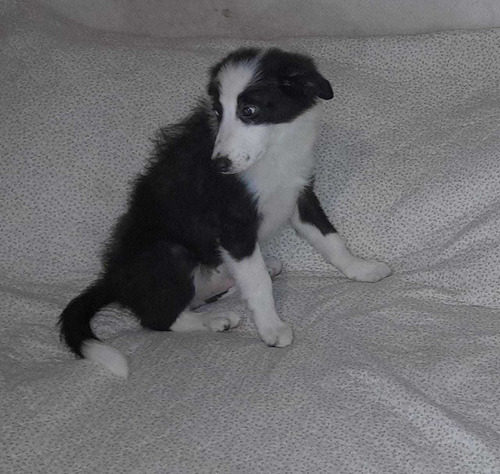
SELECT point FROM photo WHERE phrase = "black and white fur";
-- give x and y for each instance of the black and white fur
(227, 178)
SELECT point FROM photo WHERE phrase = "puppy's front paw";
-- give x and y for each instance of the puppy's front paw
(367, 270)
(278, 336)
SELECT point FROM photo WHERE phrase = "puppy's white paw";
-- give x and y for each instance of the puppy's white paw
(278, 336)
(367, 270)
(222, 321)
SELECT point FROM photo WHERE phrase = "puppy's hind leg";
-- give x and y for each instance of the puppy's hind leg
(163, 290)
(209, 321)
(159, 285)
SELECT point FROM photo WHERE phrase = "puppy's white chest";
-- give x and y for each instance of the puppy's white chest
(276, 211)
(276, 184)
(287, 166)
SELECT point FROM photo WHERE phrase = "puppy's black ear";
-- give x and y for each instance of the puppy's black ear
(308, 83)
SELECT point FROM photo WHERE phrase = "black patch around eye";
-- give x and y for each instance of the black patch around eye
(249, 111)
(273, 105)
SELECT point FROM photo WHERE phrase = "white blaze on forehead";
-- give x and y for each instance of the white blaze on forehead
(241, 143)
(234, 78)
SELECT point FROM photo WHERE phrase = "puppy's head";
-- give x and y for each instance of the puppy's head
(252, 91)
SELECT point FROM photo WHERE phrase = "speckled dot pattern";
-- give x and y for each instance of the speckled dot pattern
(397, 376)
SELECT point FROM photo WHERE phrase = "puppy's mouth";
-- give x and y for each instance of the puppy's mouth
(232, 170)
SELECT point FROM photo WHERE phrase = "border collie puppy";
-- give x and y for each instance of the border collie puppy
(227, 178)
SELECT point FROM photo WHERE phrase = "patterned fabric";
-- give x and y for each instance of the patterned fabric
(398, 376)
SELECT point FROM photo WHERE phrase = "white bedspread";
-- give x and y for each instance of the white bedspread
(397, 376)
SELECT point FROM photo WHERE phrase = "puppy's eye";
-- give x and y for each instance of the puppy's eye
(217, 110)
(249, 111)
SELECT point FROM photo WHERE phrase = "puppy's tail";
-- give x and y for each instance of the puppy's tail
(75, 330)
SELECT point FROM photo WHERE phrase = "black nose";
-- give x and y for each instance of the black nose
(222, 164)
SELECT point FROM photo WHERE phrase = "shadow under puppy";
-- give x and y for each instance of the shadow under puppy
(225, 179)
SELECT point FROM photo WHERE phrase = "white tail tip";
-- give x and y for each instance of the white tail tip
(107, 356)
